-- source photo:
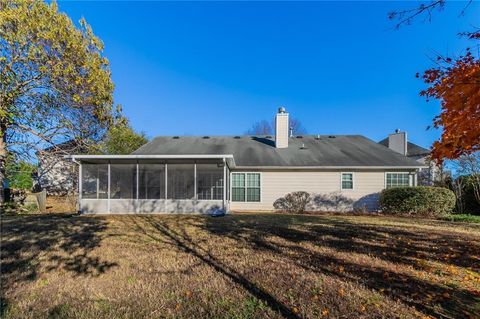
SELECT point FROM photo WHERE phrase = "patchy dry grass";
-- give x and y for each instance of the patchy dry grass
(239, 266)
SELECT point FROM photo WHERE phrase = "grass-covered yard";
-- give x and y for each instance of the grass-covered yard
(239, 266)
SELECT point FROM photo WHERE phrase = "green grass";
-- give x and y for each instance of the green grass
(463, 218)
(255, 265)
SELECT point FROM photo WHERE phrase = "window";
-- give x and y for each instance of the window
(94, 181)
(181, 180)
(209, 181)
(246, 187)
(123, 181)
(238, 187)
(151, 181)
(347, 181)
(397, 180)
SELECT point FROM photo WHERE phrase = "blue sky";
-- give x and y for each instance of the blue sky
(216, 67)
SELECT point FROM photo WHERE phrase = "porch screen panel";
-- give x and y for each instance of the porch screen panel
(180, 181)
(94, 181)
(151, 181)
(209, 182)
(123, 181)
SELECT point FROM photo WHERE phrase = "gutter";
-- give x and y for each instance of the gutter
(326, 167)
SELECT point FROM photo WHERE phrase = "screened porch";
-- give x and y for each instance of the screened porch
(132, 184)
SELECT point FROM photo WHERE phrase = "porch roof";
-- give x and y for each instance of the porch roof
(133, 158)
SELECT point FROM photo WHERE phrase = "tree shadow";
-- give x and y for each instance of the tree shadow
(402, 246)
(52, 242)
(181, 241)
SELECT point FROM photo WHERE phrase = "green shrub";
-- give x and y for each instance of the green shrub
(425, 201)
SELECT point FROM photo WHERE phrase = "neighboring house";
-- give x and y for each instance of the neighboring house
(398, 142)
(183, 174)
(57, 175)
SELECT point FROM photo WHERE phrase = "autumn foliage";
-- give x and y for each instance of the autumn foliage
(456, 83)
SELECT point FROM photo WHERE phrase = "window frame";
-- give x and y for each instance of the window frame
(411, 179)
(245, 187)
(353, 181)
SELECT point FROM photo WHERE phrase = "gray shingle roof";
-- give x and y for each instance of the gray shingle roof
(412, 148)
(260, 151)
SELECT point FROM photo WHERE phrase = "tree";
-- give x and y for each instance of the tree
(263, 127)
(55, 84)
(455, 82)
(19, 173)
(122, 139)
(469, 165)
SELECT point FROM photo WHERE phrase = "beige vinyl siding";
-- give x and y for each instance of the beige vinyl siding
(325, 187)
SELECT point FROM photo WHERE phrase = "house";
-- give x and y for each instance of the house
(184, 174)
(398, 142)
(56, 174)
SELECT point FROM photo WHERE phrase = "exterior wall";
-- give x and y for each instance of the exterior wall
(56, 175)
(146, 206)
(324, 187)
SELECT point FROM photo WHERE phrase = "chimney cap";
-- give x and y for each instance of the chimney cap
(397, 130)
(282, 109)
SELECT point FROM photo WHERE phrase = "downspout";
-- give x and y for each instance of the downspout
(224, 185)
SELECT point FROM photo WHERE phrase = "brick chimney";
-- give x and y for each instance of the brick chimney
(398, 142)
(281, 128)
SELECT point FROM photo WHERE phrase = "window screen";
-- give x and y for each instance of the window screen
(180, 180)
(151, 181)
(95, 181)
(123, 181)
(209, 182)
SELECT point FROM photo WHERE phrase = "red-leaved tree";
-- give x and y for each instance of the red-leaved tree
(455, 82)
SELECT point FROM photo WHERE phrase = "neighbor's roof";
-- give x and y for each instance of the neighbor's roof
(412, 148)
(306, 151)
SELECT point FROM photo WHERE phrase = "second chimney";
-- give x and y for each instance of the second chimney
(398, 142)
(281, 128)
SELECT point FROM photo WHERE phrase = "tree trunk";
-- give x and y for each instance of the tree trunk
(3, 157)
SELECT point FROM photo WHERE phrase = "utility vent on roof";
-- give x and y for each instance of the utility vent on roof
(331, 136)
(237, 137)
(176, 137)
(206, 137)
(317, 137)
(303, 146)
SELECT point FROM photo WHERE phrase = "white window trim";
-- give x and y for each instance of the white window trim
(353, 182)
(411, 181)
(245, 198)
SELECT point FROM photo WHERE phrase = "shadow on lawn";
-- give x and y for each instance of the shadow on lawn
(182, 241)
(50, 241)
(400, 246)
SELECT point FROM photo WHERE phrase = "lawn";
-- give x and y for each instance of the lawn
(238, 266)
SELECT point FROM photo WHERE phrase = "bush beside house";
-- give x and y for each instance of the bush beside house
(294, 203)
(424, 201)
